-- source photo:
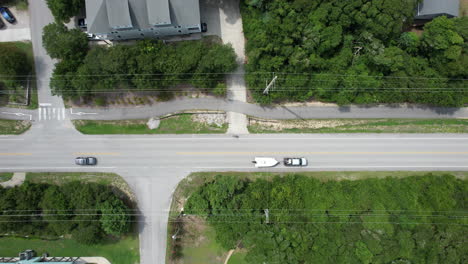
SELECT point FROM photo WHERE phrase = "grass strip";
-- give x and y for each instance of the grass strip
(13, 127)
(122, 251)
(179, 124)
(5, 176)
(359, 126)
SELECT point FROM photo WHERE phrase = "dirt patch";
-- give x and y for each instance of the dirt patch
(210, 119)
(300, 124)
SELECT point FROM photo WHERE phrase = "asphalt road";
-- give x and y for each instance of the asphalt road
(153, 165)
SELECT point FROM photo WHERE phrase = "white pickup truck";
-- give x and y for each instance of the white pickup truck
(295, 162)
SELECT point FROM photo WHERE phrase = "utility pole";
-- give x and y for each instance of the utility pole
(270, 84)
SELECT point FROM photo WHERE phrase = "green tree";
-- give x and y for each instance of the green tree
(64, 9)
(88, 234)
(14, 67)
(62, 43)
(115, 219)
(56, 210)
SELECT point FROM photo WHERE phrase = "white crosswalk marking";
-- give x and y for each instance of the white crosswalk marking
(48, 113)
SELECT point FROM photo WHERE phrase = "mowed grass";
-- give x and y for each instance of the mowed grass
(361, 126)
(13, 127)
(123, 251)
(180, 124)
(237, 258)
(5, 176)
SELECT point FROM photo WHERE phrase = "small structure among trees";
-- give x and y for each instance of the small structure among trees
(430, 9)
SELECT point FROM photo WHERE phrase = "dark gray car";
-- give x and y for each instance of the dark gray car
(86, 161)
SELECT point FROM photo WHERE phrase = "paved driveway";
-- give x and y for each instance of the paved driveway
(20, 30)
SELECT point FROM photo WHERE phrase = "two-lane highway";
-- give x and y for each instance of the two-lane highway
(342, 152)
(154, 164)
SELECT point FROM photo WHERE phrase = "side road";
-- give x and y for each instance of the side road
(276, 112)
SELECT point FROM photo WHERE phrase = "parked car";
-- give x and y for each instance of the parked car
(86, 161)
(262, 162)
(295, 162)
(2, 25)
(7, 15)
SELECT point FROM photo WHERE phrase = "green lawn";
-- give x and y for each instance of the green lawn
(238, 258)
(180, 124)
(5, 176)
(13, 127)
(203, 249)
(360, 126)
(124, 251)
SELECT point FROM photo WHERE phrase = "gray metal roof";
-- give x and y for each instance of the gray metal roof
(118, 13)
(185, 12)
(432, 7)
(104, 16)
(158, 12)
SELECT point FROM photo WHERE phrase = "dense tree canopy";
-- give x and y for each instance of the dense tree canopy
(62, 43)
(64, 9)
(13, 67)
(353, 52)
(87, 211)
(146, 66)
(391, 220)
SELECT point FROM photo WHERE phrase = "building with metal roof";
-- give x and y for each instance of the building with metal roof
(139, 19)
(430, 9)
(29, 257)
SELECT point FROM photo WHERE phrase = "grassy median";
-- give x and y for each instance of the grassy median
(13, 127)
(179, 124)
(359, 126)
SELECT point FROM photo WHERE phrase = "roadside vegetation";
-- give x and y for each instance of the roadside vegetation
(371, 217)
(353, 52)
(90, 213)
(147, 66)
(179, 124)
(13, 127)
(15, 70)
(359, 126)
(5, 176)
(19, 4)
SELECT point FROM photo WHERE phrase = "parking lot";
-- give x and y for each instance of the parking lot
(18, 31)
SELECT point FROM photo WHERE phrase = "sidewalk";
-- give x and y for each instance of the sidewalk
(268, 112)
(232, 33)
(17, 179)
